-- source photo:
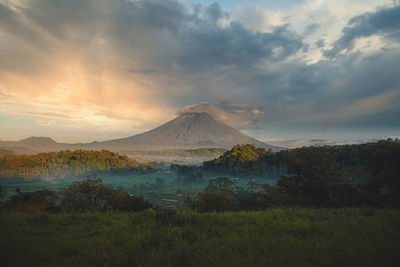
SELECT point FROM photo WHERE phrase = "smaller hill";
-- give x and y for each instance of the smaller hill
(67, 164)
(35, 144)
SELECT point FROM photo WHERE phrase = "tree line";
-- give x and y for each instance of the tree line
(354, 161)
(316, 176)
(66, 164)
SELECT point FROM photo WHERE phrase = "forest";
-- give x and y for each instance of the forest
(67, 164)
(316, 176)
(357, 160)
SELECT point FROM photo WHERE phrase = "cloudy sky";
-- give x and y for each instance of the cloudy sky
(84, 70)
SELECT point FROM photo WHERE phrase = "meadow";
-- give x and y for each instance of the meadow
(182, 237)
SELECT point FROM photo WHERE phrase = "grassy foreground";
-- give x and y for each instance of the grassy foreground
(276, 237)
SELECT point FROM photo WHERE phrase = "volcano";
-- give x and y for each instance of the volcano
(189, 130)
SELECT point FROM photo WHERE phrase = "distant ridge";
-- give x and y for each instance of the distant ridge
(189, 130)
(38, 144)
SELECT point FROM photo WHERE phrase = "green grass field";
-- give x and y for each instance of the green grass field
(276, 237)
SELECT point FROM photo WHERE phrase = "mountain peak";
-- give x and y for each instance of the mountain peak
(190, 130)
(38, 139)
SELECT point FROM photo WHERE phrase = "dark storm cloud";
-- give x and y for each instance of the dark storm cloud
(207, 46)
(164, 32)
(384, 22)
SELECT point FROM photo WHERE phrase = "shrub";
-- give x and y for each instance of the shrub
(41, 200)
(91, 195)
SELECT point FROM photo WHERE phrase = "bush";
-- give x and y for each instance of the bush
(215, 201)
(91, 195)
(41, 200)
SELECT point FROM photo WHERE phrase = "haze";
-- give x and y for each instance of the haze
(290, 72)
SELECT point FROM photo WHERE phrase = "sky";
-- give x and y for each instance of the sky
(286, 72)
